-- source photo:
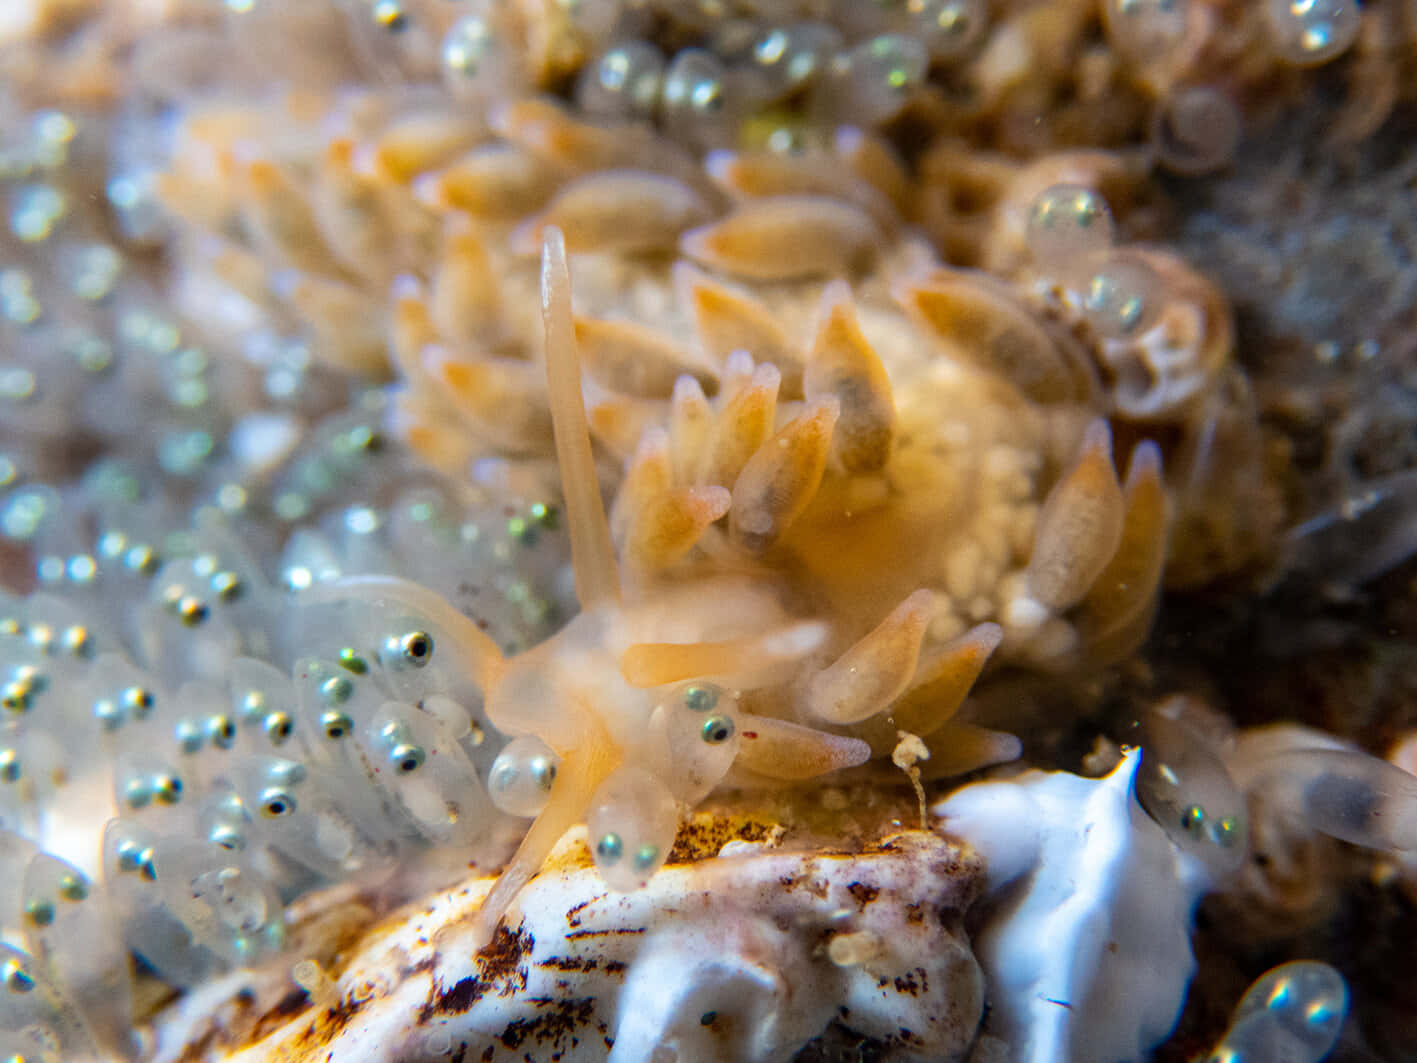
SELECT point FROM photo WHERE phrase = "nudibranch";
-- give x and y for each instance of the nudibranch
(748, 615)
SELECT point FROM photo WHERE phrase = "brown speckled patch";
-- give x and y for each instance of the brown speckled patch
(503, 971)
(502, 958)
(557, 1023)
(863, 894)
(702, 836)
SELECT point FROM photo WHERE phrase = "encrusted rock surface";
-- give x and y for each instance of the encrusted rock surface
(747, 956)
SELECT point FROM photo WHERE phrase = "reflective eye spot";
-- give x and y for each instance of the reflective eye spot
(407, 758)
(128, 857)
(609, 849)
(9, 766)
(417, 648)
(717, 730)
(700, 698)
(16, 696)
(543, 772)
(352, 662)
(76, 641)
(337, 690)
(168, 789)
(1227, 831)
(16, 978)
(39, 912)
(137, 794)
(228, 837)
(226, 586)
(390, 15)
(222, 731)
(278, 727)
(276, 803)
(1193, 819)
(708, 1018)
(73, 888)
(336, 724)
(646, 856)
(189, 737)
(253, 705)
(108, 713)
(138, 700)
(192, 611)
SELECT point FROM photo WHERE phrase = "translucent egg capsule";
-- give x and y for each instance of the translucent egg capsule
(422, 765)
(295, 810)
(696, 100)
(1067, 224)
(1145, 31)
(785, 58)
(948, 28)
(632, 823)
(407, 649)
(33, 766)
(150, 926)
(1123, 296)
(263, 704)
(149, 786)
(1292, 1013)
(34, 1015)
(182, 632)
(118, 696)
(224, 820)
(455, 717)
(393, 38)
(226, 905)
(16, 851)
(205, 731)
(700, 724)
(22, 684)
(872, 82)
(1352, 796)
(623, 83)
(70, 930)
(477, 64)
(35, 1045)
(1185, 788)
(1310, 32)
(1195, 130)
(335, 698)
(522, 775)
(60, 628)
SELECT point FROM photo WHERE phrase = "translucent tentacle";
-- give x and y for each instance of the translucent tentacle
(592, 553)
(1079, 530)
(779, 749)
(943, 682)
(877, 669)
(651, 664)
(843, 364)
(1116, 613)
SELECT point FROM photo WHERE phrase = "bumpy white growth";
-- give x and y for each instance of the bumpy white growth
(728, 959)
(1089, 956)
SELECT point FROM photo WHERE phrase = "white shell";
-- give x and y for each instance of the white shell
(1089, 956)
